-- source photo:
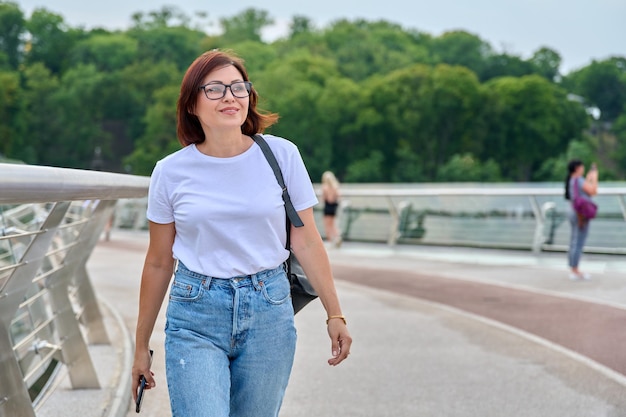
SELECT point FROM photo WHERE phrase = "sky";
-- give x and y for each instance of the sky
(579, 30)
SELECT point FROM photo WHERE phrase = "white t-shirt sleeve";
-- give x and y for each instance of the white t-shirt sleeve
(159, 206)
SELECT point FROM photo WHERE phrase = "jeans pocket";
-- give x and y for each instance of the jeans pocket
(276, 289)
(185, 288)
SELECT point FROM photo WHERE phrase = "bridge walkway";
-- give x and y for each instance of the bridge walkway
(437, 331)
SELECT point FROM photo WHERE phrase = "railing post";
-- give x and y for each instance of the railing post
(395, 223)
(73, 347)
(15, 400)
(89, 314)
(622, 205)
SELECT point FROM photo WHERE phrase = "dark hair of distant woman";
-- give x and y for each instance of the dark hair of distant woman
(571, 168)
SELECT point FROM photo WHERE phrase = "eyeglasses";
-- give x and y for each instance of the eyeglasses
(215, 91)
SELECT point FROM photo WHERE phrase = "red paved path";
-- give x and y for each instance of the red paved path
(593, 330)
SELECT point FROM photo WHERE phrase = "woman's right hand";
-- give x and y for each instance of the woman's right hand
(590, 185)
(141, 366)
(592, 175)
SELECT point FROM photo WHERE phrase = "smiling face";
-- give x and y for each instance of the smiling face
(226, 113)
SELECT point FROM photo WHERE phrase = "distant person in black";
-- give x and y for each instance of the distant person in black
(330, 194)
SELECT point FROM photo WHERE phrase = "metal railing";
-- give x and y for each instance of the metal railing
(502, 216)
(532, 217)
(50, 221)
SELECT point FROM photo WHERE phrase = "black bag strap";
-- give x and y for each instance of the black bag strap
(292, 214)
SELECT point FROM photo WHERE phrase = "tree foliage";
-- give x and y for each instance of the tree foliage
(603, 84)
(51, 40)
(246, 26)
(370, 100)
(12, 28)
(531, 120)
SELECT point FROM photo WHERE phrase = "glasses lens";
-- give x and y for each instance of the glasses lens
(214, 91)
(240, 90)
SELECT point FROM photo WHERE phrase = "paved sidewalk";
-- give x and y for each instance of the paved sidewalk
(411, 356)
(529, 292)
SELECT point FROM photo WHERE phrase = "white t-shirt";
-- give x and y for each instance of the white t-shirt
(228, 212)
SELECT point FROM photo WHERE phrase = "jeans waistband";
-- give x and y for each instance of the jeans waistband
(255, 277)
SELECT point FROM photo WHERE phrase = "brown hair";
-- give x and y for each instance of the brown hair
(189, 129)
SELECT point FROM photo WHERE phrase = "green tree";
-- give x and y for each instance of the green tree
(362, 49)
(547, 62)
(338, 107)
(455, 117)
(466, 168)
(393, 112)
(50, 40)
(179, 45)
(369, 169)
(300, 25)
(108, 52)
(500, 65)
(531, 120)
(12, 28)
(256, 55)
(10, 103)
(292, 88)
(408, 166)
(78, 126)
(126, 96)
(461, 48)
(602, 84)
(4, 62)
(41, 114)
(135, 89)
(245, 26)
(619, 129)
(164, 17)
(555, 168)
(433, 112)
(159, 138)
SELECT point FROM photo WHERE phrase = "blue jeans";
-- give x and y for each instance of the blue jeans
(577, 240)
(229, 344)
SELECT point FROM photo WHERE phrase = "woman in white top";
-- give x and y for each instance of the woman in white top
(216, 213)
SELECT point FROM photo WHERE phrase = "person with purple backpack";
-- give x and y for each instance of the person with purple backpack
(579, 189)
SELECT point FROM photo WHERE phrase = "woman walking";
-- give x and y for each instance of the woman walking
(217, 217)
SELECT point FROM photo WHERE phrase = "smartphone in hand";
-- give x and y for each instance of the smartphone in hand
(142, 386)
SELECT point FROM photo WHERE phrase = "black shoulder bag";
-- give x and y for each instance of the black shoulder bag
(302, 291)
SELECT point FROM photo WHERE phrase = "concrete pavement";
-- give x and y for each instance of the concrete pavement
(411, 356)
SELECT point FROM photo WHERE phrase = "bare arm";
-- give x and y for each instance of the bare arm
(157, 272)
(308, 247)
(590, 185)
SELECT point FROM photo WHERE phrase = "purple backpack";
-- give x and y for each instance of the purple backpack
(585, 207)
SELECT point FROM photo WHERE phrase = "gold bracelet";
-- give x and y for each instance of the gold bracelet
(336, 317)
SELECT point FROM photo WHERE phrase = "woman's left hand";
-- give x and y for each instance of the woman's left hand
(340, 341)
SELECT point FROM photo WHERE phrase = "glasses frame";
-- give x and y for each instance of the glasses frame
(248, 85)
